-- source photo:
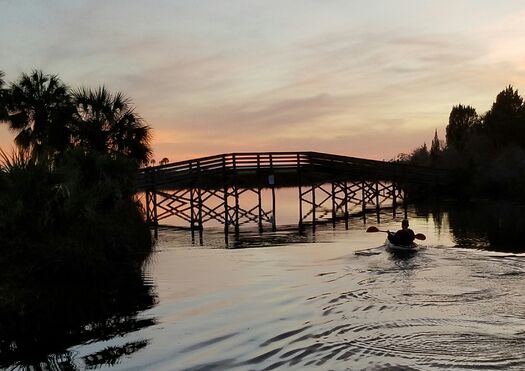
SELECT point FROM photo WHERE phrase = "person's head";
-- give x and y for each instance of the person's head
(404, 224)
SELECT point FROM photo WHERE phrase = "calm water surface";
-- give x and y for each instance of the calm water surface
(294, 301)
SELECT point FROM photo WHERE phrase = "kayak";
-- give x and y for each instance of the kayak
(408, 248)
(392, 248)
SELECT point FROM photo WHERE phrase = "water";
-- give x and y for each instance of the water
(294, 301)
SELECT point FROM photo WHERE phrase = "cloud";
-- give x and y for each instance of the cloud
(213, 78)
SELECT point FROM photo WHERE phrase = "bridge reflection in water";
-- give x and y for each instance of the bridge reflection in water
(329, 187)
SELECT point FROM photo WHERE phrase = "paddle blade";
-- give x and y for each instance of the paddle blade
(421, 236)
(372, 229)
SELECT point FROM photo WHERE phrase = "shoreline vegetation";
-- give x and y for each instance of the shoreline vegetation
(485, 153)
(66, 192)
(73, 238)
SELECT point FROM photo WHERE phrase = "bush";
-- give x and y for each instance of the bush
(76, 219)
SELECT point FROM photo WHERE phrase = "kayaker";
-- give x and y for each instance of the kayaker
(404, 237)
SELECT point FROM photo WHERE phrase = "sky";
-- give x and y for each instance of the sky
(360, 78)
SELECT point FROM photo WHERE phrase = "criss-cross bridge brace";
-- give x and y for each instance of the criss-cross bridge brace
(329, 187)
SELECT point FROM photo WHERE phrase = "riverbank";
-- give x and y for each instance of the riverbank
(75, 220)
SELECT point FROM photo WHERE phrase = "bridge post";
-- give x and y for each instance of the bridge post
(192, 210)
(346, 204)
(192, 203)
(313, 207)
(300, 207)
(274, 223)
(363, 199)
(259, 203)
(300, 192)
(199, 202)
(377, 196)
(226, 211)
(199, 196)
(148, 211)
(156, 230)
(236, 193)
(155, 215)
(225, 197)
(237, 225)
(333, 205)
(259, 198)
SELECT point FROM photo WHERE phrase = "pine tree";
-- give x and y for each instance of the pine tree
(435, 148)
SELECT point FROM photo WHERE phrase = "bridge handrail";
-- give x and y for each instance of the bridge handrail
(247, 161)
(240, 160)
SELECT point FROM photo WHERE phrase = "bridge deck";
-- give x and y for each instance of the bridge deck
(283, 169)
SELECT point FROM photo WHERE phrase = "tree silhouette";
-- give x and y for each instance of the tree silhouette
(485, 152)
(107, 123)
(435, 149)
(461, 122)
(39, 111)
(164, 161)
(505, 121)
(3, 108)
(420, 156)
(67, 205)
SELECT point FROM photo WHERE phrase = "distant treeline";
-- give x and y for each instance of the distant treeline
(66, 189)
(485, 152)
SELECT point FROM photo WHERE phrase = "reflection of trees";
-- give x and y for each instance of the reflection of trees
(112, 355)
(494, 225)
(429, 208)
(37, 325)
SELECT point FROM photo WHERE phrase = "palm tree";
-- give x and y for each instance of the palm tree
(108, 123)
(3, 95)
(39, 110)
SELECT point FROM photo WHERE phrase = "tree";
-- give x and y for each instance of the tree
(420, 156)
(107, 123)
(3, 103)
(461, 121)
(164, 161)
(39, 110)
(435, 149)
(505, 121)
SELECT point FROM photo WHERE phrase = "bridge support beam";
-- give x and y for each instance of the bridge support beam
(338, 198)
(198, 206)
(151, 211)
(334, 202)
(233, 206)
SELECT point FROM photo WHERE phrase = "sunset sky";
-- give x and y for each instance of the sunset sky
(362, 78)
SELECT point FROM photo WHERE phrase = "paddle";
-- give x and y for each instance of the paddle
(372, 229)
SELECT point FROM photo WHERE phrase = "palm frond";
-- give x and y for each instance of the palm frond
(17, 159)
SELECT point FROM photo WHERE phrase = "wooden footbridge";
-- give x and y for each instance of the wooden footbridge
(329, 187)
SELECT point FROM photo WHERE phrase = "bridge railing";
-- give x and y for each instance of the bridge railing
(225, 165)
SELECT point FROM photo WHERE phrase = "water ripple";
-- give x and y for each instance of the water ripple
(438, 309)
